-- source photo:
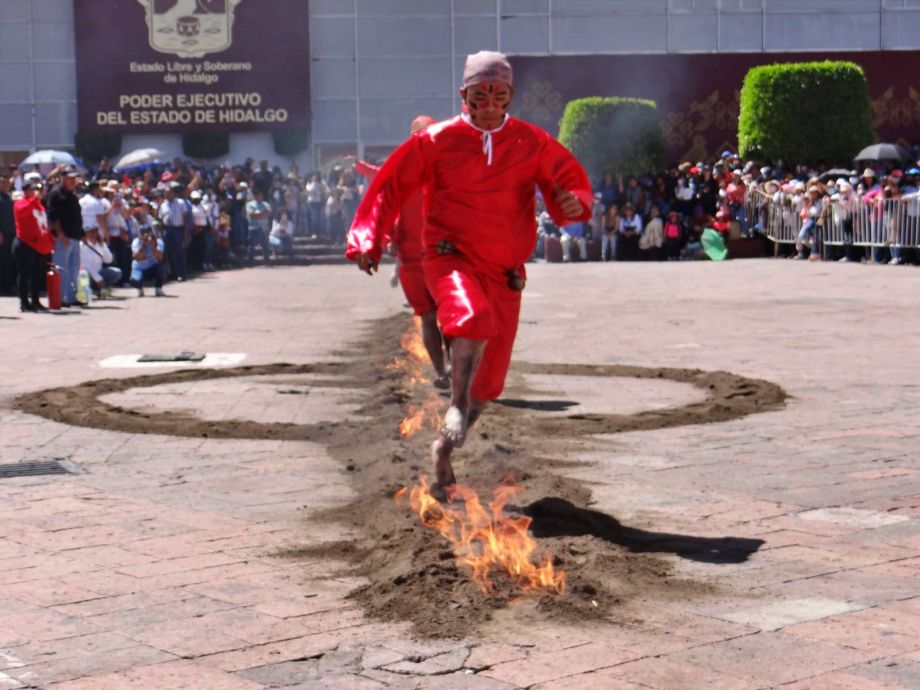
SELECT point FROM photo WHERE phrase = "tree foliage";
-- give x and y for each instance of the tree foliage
(805, 112)
(615, 135)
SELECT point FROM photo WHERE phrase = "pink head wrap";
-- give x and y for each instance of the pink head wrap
(486, 65)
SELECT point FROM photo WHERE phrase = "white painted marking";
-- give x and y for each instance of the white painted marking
(779, 614)
(211, 359)
(868, 519)
(12, 661)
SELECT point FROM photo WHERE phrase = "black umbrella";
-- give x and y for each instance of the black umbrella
(883, 152)
(835, 173)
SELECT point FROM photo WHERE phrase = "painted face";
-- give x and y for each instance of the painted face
(488, 103)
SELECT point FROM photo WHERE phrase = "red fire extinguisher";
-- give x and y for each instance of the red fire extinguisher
(53, 286)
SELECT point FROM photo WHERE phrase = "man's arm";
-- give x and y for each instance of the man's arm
(564, 183)
(404, 171)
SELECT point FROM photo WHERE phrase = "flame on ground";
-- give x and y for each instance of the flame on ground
(417, 416)
(414, 363)
(483, 539)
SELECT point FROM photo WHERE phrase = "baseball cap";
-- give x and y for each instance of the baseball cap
(726, 154)
(70, 171)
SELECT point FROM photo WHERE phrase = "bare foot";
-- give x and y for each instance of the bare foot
(443, 470)
(453, 428)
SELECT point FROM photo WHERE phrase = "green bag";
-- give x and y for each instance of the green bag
(713, 245)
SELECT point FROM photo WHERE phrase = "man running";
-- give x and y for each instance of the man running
(407, 239)
(479, 170)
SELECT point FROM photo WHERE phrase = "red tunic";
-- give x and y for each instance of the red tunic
(409, 224)
(480, 224)
(483, 211)
(408, 238)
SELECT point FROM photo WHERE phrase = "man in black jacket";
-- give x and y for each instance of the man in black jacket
(66, 221)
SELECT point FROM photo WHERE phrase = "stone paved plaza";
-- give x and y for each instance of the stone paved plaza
(160, 566)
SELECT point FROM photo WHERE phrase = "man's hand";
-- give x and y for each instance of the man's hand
(366, 264)
(569, 203)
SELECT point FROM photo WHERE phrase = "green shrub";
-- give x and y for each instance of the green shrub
(206, 145)
(615, 135)
(805, 112)
(94, 146)
(290, 142)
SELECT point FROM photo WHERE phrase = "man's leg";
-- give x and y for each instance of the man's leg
(465, 356)
(434, 345)
(74, 258)
(478, 366)
(442, 448)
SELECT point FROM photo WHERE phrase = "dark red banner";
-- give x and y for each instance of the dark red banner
(698, 95)
(192, 65)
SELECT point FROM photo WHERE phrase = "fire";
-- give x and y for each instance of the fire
(485, 540)
(418, 415)
(415, 359)
(414, 364)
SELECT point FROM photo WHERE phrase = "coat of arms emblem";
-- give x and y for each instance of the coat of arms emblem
(190, 28)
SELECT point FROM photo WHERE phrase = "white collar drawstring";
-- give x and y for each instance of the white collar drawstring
(486, 135)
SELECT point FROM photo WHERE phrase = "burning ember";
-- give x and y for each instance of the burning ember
(414, 363)
(485, 540)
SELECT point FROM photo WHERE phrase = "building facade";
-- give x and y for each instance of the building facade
(375, 64)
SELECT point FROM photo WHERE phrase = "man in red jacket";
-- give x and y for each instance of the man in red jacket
(407, 240)
(31, 248)
(479, 171)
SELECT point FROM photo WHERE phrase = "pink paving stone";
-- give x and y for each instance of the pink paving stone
(664, 674)
(175, 565)
(540, 668)
(72, 667)
(840, 681)
(50, 592)
(122, 602)
(174, 675)
(772, 658)
(39, 625)
(885, 473)
(589, 681)
(308, 645)
(490, 654)
(908, 567)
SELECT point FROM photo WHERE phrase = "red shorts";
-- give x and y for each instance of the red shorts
(478, 305)
(412, 279)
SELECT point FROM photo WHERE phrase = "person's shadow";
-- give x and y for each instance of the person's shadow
(557, 517)
(538, 405)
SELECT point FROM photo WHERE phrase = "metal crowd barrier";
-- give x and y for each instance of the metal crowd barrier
(877, 223)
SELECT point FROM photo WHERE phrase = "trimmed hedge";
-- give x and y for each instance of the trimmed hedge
(805, 112)
(290, 142)
(615, 135)
(94, 146)
(206, 145)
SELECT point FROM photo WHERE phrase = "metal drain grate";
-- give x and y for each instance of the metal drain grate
(180, 357)
(38, 467)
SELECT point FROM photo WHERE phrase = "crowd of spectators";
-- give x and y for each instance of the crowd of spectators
(168, 222)
(160, 223)
(662, 216)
